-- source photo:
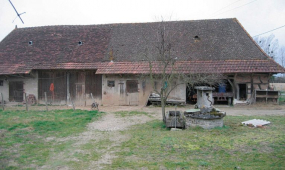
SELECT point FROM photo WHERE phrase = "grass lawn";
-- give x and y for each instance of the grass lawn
(230, 147)
(24, 144)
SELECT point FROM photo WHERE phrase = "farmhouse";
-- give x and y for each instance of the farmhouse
(71, 62)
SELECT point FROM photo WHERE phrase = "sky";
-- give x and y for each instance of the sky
(256, 16)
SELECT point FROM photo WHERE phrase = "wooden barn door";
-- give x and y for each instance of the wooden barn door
(80, 88)
(132, 92)
(93, 84)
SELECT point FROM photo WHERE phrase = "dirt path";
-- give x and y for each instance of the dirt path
(112, 123)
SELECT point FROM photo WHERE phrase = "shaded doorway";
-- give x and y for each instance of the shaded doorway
(16, 91)
(242, 91)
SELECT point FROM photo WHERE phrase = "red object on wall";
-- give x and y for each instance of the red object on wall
(51, 88)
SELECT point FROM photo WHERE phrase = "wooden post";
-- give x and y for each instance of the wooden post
(27, 109)
(72, 102)
(46, 100)
(67, 88)
(2, 101)
(85, 99)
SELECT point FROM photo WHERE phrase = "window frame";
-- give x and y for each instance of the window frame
(111, 83)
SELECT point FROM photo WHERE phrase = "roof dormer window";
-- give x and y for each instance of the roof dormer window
(197, 38)
(80, 42)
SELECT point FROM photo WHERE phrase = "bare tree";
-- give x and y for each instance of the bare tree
(269, 45)
(282, 56)
(166, 70)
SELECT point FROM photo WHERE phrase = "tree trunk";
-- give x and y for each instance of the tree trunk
(163, 109)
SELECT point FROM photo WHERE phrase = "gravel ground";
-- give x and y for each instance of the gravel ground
(248, 110)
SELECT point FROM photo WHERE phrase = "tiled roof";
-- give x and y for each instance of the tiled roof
(57, 47)
(227, 66)
(6, 69)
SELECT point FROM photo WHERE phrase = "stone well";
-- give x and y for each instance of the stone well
(205, 116)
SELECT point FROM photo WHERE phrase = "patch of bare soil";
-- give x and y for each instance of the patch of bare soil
(107, 129)
(111, 122)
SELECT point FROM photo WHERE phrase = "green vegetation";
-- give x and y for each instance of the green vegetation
(282, 97)
(30, 140)
(23, 134)
(153, 146)
(130, 113)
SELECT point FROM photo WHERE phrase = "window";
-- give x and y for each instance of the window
(132, 86)
(197, 38)
(111, 83)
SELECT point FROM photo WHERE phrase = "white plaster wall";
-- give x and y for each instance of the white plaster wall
(278, 86)
(31, 85)
(112, 96)
(4, 90)
(179, 92)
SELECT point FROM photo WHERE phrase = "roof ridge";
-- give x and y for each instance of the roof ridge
(125, 23)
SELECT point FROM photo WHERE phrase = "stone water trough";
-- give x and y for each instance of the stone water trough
(175, 119)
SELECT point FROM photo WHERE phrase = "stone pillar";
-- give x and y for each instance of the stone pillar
(204, 96)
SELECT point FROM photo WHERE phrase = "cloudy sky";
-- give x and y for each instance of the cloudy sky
(257, 16)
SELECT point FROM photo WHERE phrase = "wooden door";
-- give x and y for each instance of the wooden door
(132, 92)
(80, 88)
(122, 99)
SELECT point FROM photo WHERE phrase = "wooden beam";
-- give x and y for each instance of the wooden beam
(233, 87)
(67, 87)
